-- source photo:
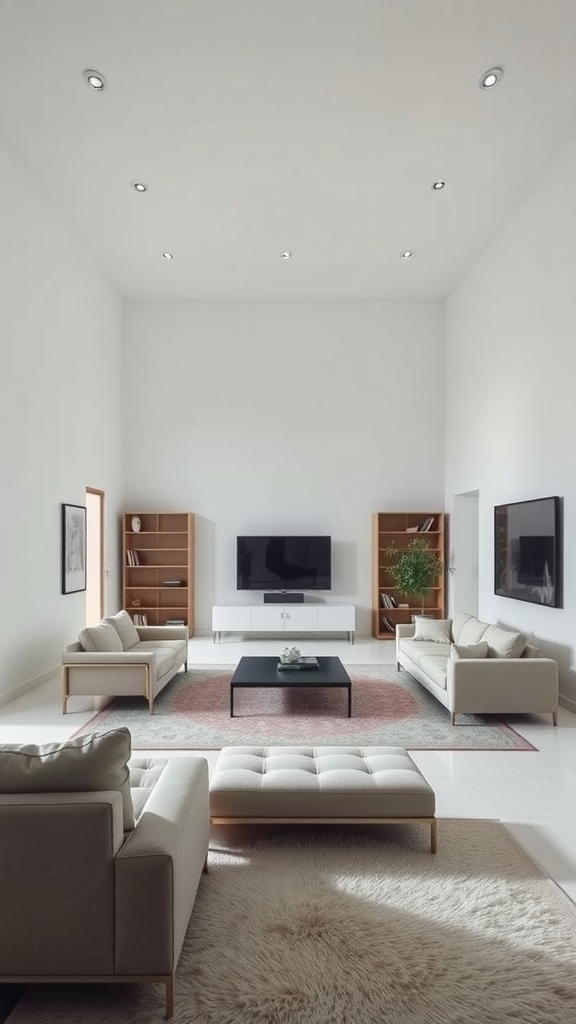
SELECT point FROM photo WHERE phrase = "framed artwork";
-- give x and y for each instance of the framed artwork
(528, 551)
(73, 548)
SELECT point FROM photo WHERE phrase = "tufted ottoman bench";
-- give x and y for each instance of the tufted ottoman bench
(312, 785)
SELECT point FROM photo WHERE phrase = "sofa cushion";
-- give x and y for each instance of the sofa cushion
(479, 650)
(503, 643)
(97, 761)
(458, 624)
(125, 629)
(418, 649)
(102, 637)
(434, 630)
(165, 656)
(435, 667)
(472, 631)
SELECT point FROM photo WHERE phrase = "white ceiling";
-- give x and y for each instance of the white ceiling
(262, 125)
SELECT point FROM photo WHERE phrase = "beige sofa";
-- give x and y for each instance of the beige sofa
(474, 667)
(118, 659)
(95, 890)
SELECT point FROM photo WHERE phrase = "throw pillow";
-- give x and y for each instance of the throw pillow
(479, 650)
(125, 628)
(102, 637)
(437, 630)
(98, 761)
(503, 643)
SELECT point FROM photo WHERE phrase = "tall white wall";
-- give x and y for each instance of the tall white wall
(60, 387)
(283, 418)
(511, 380)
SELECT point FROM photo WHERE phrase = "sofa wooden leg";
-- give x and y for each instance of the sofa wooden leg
(453, 718)
(554, 718)
(433, 835)
(169, 997)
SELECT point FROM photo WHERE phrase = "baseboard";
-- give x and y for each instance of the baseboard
(568, 703)
(28, 685)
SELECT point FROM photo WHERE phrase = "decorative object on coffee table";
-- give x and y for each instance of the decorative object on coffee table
(290, 654)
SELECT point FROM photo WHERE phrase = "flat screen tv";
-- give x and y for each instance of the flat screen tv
(527, 551)
(283, 563)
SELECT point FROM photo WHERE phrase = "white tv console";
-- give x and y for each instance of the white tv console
(283, 618)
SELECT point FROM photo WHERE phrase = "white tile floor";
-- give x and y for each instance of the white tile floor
(533, 793)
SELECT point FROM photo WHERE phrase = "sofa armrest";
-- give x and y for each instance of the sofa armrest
(162, 632)
(404, 630)
(57, 892)
(106, 658)
(502, 685)
(159, 867)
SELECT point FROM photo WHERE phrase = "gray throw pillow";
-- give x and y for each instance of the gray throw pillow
(479, 650)
(503, 643)
(98, 761)
(125, 629)
(436, 630)
(102, 637)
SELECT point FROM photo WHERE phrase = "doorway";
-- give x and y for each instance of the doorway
(94, 555)
(466, 556)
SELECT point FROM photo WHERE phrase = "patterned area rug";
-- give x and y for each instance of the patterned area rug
(388, 707)
(359, 927)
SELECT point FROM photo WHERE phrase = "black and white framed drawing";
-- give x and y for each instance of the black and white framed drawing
(73, 548)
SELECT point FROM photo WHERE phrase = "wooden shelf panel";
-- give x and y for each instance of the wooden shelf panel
(391, 529)
(165, 550)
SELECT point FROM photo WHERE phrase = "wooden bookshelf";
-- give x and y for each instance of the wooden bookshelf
(158, 567)
(400, 528)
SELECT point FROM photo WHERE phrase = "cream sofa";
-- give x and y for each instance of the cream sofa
(473, 667)
(118, 659)
(101, 861)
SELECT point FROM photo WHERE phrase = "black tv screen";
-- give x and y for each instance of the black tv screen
(283, 563)
(527, 551)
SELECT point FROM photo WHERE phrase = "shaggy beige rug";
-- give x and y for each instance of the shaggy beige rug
(360, 927)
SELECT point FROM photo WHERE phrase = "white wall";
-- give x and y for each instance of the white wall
(283, 418)
(511, 380)
(60, 381)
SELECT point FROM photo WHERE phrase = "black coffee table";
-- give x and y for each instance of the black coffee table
(263, 673)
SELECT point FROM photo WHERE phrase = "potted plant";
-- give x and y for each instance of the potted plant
(414, 569)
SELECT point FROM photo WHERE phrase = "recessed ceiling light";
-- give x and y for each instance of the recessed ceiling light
(167, 256)
(287, 255)
(438, 185)
(491, 78)
(139, 186)
(95, 80)
(407, 254)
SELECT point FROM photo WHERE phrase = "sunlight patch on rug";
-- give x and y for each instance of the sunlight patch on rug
(323, 926)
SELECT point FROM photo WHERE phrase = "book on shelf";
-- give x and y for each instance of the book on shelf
(427, 525)
(140, 619)
(412, 529)
(175, 622)
(388, 601)
(389, 626)
(172, 583)
(132, 557)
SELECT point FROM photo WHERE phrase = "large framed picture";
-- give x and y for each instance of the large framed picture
(528, 551)
(73, 548)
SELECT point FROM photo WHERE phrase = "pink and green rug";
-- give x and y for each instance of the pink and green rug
(388, 707)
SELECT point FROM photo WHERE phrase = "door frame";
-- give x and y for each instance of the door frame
(102, 573)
